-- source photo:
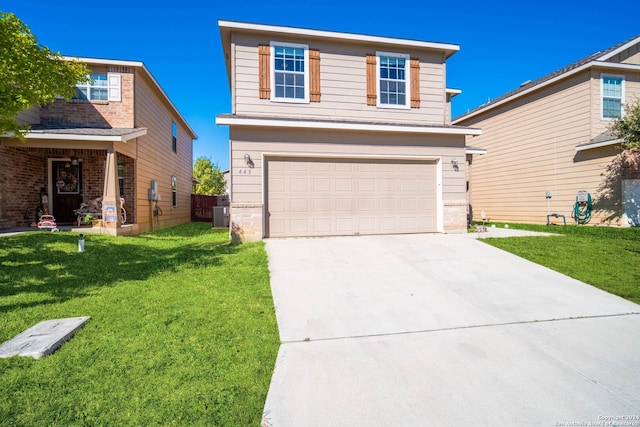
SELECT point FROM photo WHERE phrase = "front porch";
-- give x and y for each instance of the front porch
(57, 176)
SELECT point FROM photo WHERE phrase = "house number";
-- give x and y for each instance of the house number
(244, 171)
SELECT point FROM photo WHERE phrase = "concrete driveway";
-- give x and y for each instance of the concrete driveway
(443, 330)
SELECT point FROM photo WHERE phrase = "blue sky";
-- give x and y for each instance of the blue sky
(502, 43)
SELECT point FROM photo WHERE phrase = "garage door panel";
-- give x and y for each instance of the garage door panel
(322, 225)
(307, 197)
(322, 184)
(344, 225)
(344, 185)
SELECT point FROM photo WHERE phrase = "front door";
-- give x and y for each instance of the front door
(67, 190)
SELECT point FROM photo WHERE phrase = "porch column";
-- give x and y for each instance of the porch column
(111, 193)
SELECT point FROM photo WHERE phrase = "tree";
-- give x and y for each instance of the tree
(210, 176)
(30, 73)
(627, 128)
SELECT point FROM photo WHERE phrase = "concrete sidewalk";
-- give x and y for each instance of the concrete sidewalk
(443, 330)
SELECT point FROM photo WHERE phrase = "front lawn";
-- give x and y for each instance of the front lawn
(605, 257)
(182, 329)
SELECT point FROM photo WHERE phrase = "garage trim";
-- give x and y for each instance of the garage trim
(311, 156)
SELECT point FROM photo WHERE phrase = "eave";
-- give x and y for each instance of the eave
(231, 120)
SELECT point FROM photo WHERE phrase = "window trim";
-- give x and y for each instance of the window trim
(407, 80)
(622, 95)
(272, 65)
(174, 191)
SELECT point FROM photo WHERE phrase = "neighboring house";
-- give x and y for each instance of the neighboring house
(552, 135)
(340, 134)
(120, 137)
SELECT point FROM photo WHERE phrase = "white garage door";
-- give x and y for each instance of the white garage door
(329, 197)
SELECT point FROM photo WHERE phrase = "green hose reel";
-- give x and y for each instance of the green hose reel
(582, 208)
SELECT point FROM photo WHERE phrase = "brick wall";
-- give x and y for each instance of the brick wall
(24, 172)
(99, 114)
(22, 175)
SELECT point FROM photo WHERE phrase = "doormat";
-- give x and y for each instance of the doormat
(42, 339)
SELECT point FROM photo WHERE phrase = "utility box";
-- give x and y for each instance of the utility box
(219, 216)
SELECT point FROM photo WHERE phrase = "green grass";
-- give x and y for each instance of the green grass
(182, 329)
(605, 257)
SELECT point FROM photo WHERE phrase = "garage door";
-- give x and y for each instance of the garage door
(329, 197)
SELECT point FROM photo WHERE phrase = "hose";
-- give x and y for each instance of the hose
(582, 211)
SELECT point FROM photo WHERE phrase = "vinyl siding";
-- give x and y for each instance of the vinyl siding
(530, 147)
(343, 84)
(631, 93)
(157, 161)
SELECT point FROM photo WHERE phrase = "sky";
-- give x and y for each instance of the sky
(502, 43)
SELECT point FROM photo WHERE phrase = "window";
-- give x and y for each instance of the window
(289, 72)
(121, 179)
(97, 89)
(612, 96)
(101, 87)
(174, 137)
(393, 83)
(174, 191)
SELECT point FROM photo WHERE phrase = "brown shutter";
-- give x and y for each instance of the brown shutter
(415, 83)
(371, 80)
(314, 75)
(264, 53)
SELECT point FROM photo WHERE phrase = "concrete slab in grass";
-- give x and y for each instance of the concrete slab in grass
(42, 339)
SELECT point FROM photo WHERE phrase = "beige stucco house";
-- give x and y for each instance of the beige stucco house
(119, 138)
(551, 135)
(340, 134)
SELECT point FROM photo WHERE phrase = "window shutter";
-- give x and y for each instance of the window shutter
(115, 87)
(314, 75)
(371, 80)
(415, 83)
(264, 53)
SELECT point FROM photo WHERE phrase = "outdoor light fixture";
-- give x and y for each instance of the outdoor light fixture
(248, 161)
(74, 160)
(454, 162)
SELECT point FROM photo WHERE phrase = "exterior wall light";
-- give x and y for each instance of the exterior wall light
(248, 161)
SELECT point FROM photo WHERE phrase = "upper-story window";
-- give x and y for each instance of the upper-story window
(97, 89)
(612, 96)
(289, 72)
(393, 80)
(100, 87)
(174, 136)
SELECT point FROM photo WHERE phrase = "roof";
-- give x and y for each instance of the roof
(605, 139)
(80, 133)
(598, 58)
(228, 26)
(233, 119)
(139, 65)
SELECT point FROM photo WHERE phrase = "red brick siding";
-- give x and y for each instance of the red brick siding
(24, 171)
(100, 114)
(22, 174)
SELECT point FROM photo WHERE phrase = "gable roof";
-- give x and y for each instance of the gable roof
(598, 58)
(140, 66)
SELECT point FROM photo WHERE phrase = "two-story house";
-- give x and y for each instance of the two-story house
(550, 137)
(336, 133)
(120, 139)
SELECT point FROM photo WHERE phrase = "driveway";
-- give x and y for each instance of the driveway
(412, 330)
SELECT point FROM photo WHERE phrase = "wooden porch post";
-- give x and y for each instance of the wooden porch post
(110, 193)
